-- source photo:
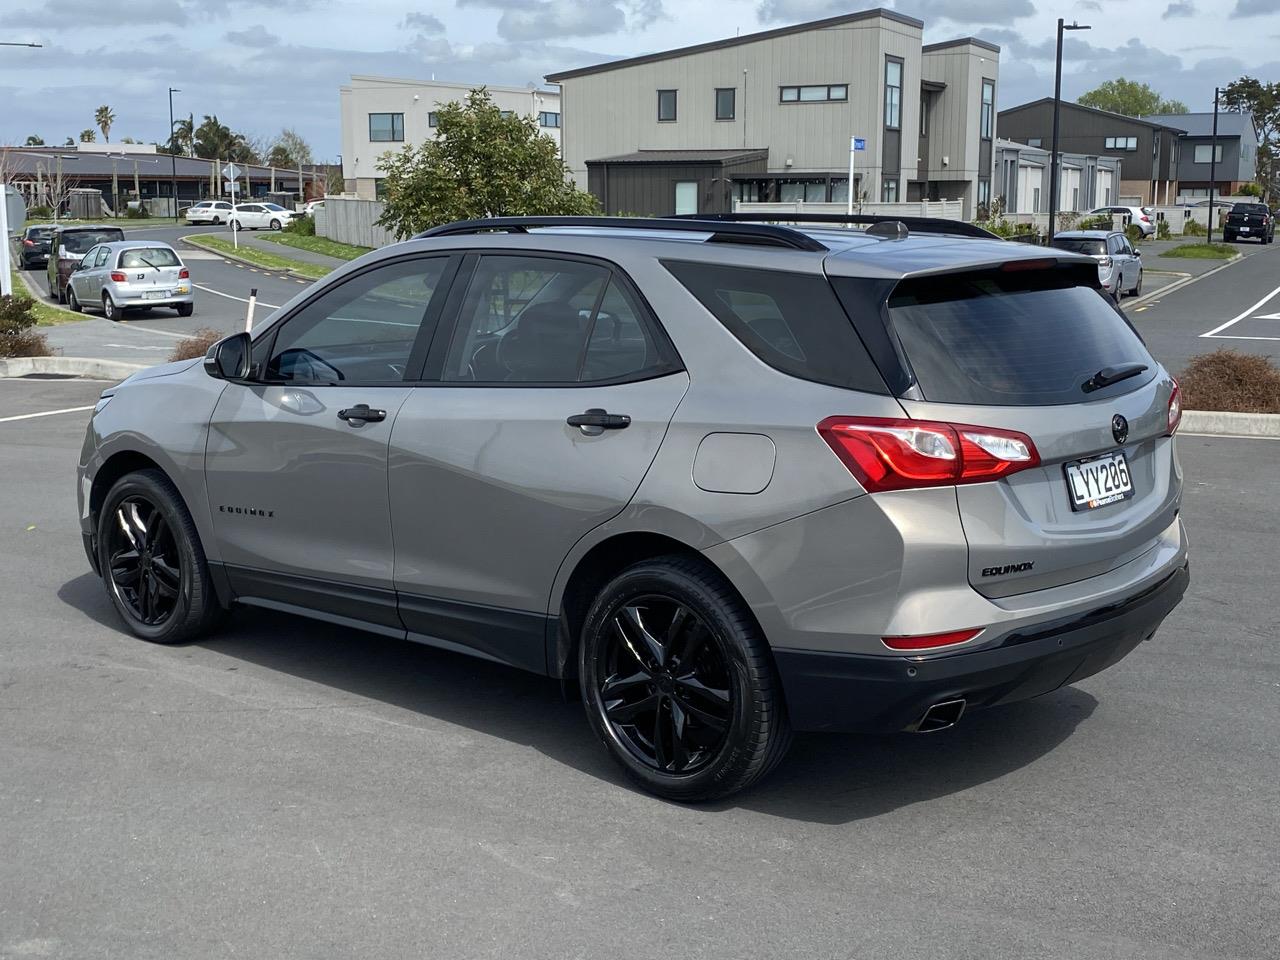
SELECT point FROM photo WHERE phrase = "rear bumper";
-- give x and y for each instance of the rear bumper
(845, 692)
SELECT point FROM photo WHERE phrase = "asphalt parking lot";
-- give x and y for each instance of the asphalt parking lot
(290, 789)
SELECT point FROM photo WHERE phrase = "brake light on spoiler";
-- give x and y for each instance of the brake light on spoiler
(886, 453)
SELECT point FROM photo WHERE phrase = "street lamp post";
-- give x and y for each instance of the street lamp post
(1213, 162)
(173, 157)
(1057, 101)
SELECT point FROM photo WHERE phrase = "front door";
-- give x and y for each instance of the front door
(296, 462)
(491, 484)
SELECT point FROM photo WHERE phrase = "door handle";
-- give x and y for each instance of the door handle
(595, 421)
(362, 413)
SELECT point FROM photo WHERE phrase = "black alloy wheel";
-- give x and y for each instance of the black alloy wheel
(144, 567)
(666, 692)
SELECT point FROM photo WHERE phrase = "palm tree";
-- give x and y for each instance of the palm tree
(183, 137)
(104, 118)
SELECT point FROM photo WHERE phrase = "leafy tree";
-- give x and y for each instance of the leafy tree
(104, 117)
(1262, 102)
(182, 140)
(35, 141)
(214, 140)
(129, 140)
(480, 164)
(1131, 98)
(88, 136)
(289, 150)
(71, 142)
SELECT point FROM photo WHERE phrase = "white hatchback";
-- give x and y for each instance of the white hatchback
(260, 216)
(209, 211)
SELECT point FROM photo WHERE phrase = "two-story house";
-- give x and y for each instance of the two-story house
(1237, 152)
(772, 116)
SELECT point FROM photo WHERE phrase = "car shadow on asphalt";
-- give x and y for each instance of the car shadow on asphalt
(826, 778)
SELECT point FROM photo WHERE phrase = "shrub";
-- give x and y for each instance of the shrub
(18, 337)
(1192, 228)
(1231, 380)
(1067, 220)
(1162, 230)
(302, 226)
(196, 345)
(135, 213)
(1101, 222)
(1134, 233)
(39, 213)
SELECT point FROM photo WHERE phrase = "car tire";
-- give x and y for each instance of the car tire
(73, 301)
(217, 221)
(109, 308)
(1137, 287)
(58, 293)
(234, 225)
(153, 566)
(275, 224)
(186, 309)
(707, 705)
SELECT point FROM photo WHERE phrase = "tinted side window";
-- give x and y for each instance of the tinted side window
(361, 331)
(545, 320)
(791, 321)
(104, 254)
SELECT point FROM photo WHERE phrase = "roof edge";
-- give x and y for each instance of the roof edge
(960, 42)
(873, 14)
(1106, 113)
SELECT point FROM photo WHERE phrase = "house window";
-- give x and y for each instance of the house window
(386, 127)
(814, 94)
(1122, 143)
(433, 119)
(726, 107)
(808, 191)
(892, 93)
(926, 101)
(686, 197)
(1033, 141)
(988, 108)
(889, 190)
(1035, 199)
(548, 119)
(1202, 153)
(506, 114)
(667, 106)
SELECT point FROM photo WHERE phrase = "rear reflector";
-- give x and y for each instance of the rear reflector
(1175, 408)
(930, 641)
(890, 454)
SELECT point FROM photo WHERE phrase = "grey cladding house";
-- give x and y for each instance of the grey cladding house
(769, 117)
(1237, 151)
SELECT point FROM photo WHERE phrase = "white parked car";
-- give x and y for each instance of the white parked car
(209, 211)
(1143, 217)
(310, 208)
(261, 216)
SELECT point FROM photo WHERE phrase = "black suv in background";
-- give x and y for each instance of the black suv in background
(1248, 221)
(33, 246)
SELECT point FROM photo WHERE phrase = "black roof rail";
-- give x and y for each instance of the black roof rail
(745, 231)
(914, 224)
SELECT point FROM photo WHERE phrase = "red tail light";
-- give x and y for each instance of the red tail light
(1175, 408)
(930, 641)
(184, 274)
(891, 454)
(118, 277)
(28, 243)
(1146, 219)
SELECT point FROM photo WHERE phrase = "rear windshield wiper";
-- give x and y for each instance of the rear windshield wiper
(1109, 375)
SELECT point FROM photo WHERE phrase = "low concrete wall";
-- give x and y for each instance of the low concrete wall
(944, 209)
(349, 220)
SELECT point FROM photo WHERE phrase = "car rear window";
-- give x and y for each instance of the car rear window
(81, 241)
(1251, 208)
(791, 321)
(148, 257)
(1026, 338)
(1092, 247)
(40, 233)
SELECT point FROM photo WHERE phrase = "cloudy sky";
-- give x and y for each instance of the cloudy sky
(264, 64)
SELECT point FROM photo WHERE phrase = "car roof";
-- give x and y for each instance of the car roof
(1086, 234)
(138, 245)
(75, 227)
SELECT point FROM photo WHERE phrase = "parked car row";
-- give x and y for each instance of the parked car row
(242, 216)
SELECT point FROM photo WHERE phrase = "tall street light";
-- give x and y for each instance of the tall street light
(1213, 162)
(1057, 102)
(173, 157)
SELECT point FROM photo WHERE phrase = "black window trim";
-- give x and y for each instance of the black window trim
(393, 138)
(797, 87)
(675, 104)
(902, 77)
(433, 372)
(733, 114)
(988, 134)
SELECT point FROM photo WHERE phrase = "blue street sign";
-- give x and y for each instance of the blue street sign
(859, 143)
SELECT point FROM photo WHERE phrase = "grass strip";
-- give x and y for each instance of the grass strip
(321, 245)
(1202, 251)
(259, 258)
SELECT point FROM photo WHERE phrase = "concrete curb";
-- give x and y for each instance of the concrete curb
(69, 367)
(1223, 424)
(34, 293)
(1185, 282)
(248, 263)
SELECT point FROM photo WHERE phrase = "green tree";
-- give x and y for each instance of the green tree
(214, 140)
(104, 117)
(480, 164)
(1262, 102)
(70, 142)
(182, 140)
(87, 135)
(1131, 98)
(289, 150)
(35, 141)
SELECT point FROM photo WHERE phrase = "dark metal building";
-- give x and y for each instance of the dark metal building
(672, 181)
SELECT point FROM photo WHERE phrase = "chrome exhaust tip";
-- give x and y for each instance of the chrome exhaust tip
(940, 716)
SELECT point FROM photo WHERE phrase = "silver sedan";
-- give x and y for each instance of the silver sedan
(131, 274)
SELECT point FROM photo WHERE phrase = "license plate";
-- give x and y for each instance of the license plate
(1244, 229)
(1098, 481)
(154, 294)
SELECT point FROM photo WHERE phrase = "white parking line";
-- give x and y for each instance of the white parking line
(45, 413)
(219, 293)
(1248, 313)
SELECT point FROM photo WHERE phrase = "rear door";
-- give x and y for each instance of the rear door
(490, 483)
(1015, 350)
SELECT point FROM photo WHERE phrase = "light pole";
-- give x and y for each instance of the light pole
(1213, 163)
(173, 157)
(1057, 102)
(11, 44)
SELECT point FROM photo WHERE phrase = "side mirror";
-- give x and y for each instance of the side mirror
(1137, 252)
(229, 359)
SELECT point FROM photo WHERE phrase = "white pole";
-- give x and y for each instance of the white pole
(849, 203)
(253, 302)
(6, 282)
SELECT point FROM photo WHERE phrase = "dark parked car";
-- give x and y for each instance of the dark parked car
(1248, 221)
(33, 246)
(67, 247)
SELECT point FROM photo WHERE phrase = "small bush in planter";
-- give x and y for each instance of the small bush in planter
(18, 338)
(1231, 380)
(301, 226)
(196, 345)
(1192, 228)
(1162, 230)
(1134, 233)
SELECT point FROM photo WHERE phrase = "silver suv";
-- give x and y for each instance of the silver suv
(737, 479)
